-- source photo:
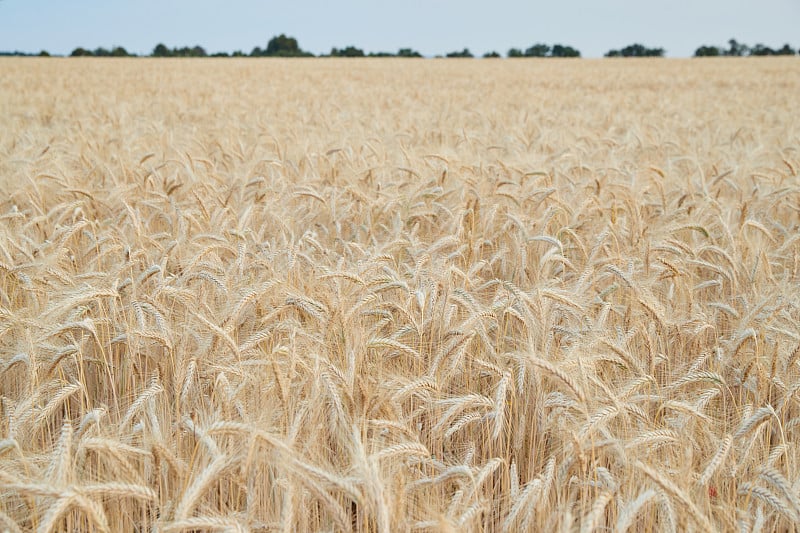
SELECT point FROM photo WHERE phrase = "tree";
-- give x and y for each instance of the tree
(545, 50)
(737, 49)
(636, 50)
(44, 53)
(350, 51)
(161, 51)
(284, 46)
(80, 52)
(119, 51)
(761, 50)
(281, 45)
(257, 52)
(403, 52)
(491, 54)
(101, 52)
(538, 50)
(463, 53)
(564, 51)
(408, 52)
(708, 51)
(195, 51)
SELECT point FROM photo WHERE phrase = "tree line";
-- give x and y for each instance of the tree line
(636, 50)
(285, 46)
(737, 49)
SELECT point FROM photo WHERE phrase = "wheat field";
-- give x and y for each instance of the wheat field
(399, 295)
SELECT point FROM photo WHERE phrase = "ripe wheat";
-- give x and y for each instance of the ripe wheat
(382, 296)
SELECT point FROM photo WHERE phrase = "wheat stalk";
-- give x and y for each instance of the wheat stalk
(673, 490)
(200, 485)
(591, 520)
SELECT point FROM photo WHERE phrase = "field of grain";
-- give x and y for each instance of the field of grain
(396, 295)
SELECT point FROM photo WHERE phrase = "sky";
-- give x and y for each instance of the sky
(429, 26)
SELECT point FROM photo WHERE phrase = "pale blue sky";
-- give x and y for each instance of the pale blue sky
(432, 26)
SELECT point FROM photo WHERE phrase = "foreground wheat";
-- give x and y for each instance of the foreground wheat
(392, 296)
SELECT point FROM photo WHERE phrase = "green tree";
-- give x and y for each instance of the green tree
(564, 51)
(350, 51)
(545, 50)
(708, 51)
(786, 50)
(491, 54)
(737, 49)
(44, 53)
(761, 50)
(538, 50)
(185, 51)
(636, 50)
(119, 51)
(408, 52)
(284, 46)
(161, 50)
(463, 53)
(81, 52)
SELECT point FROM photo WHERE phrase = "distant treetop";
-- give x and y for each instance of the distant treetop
(116, 51)
(162, 51)
(737, 49)
(463, 53)
(350, 51)
(281, 46)
(43, 53)
(564, 51)
(545, 50)
(636, 50)
(408, 52)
